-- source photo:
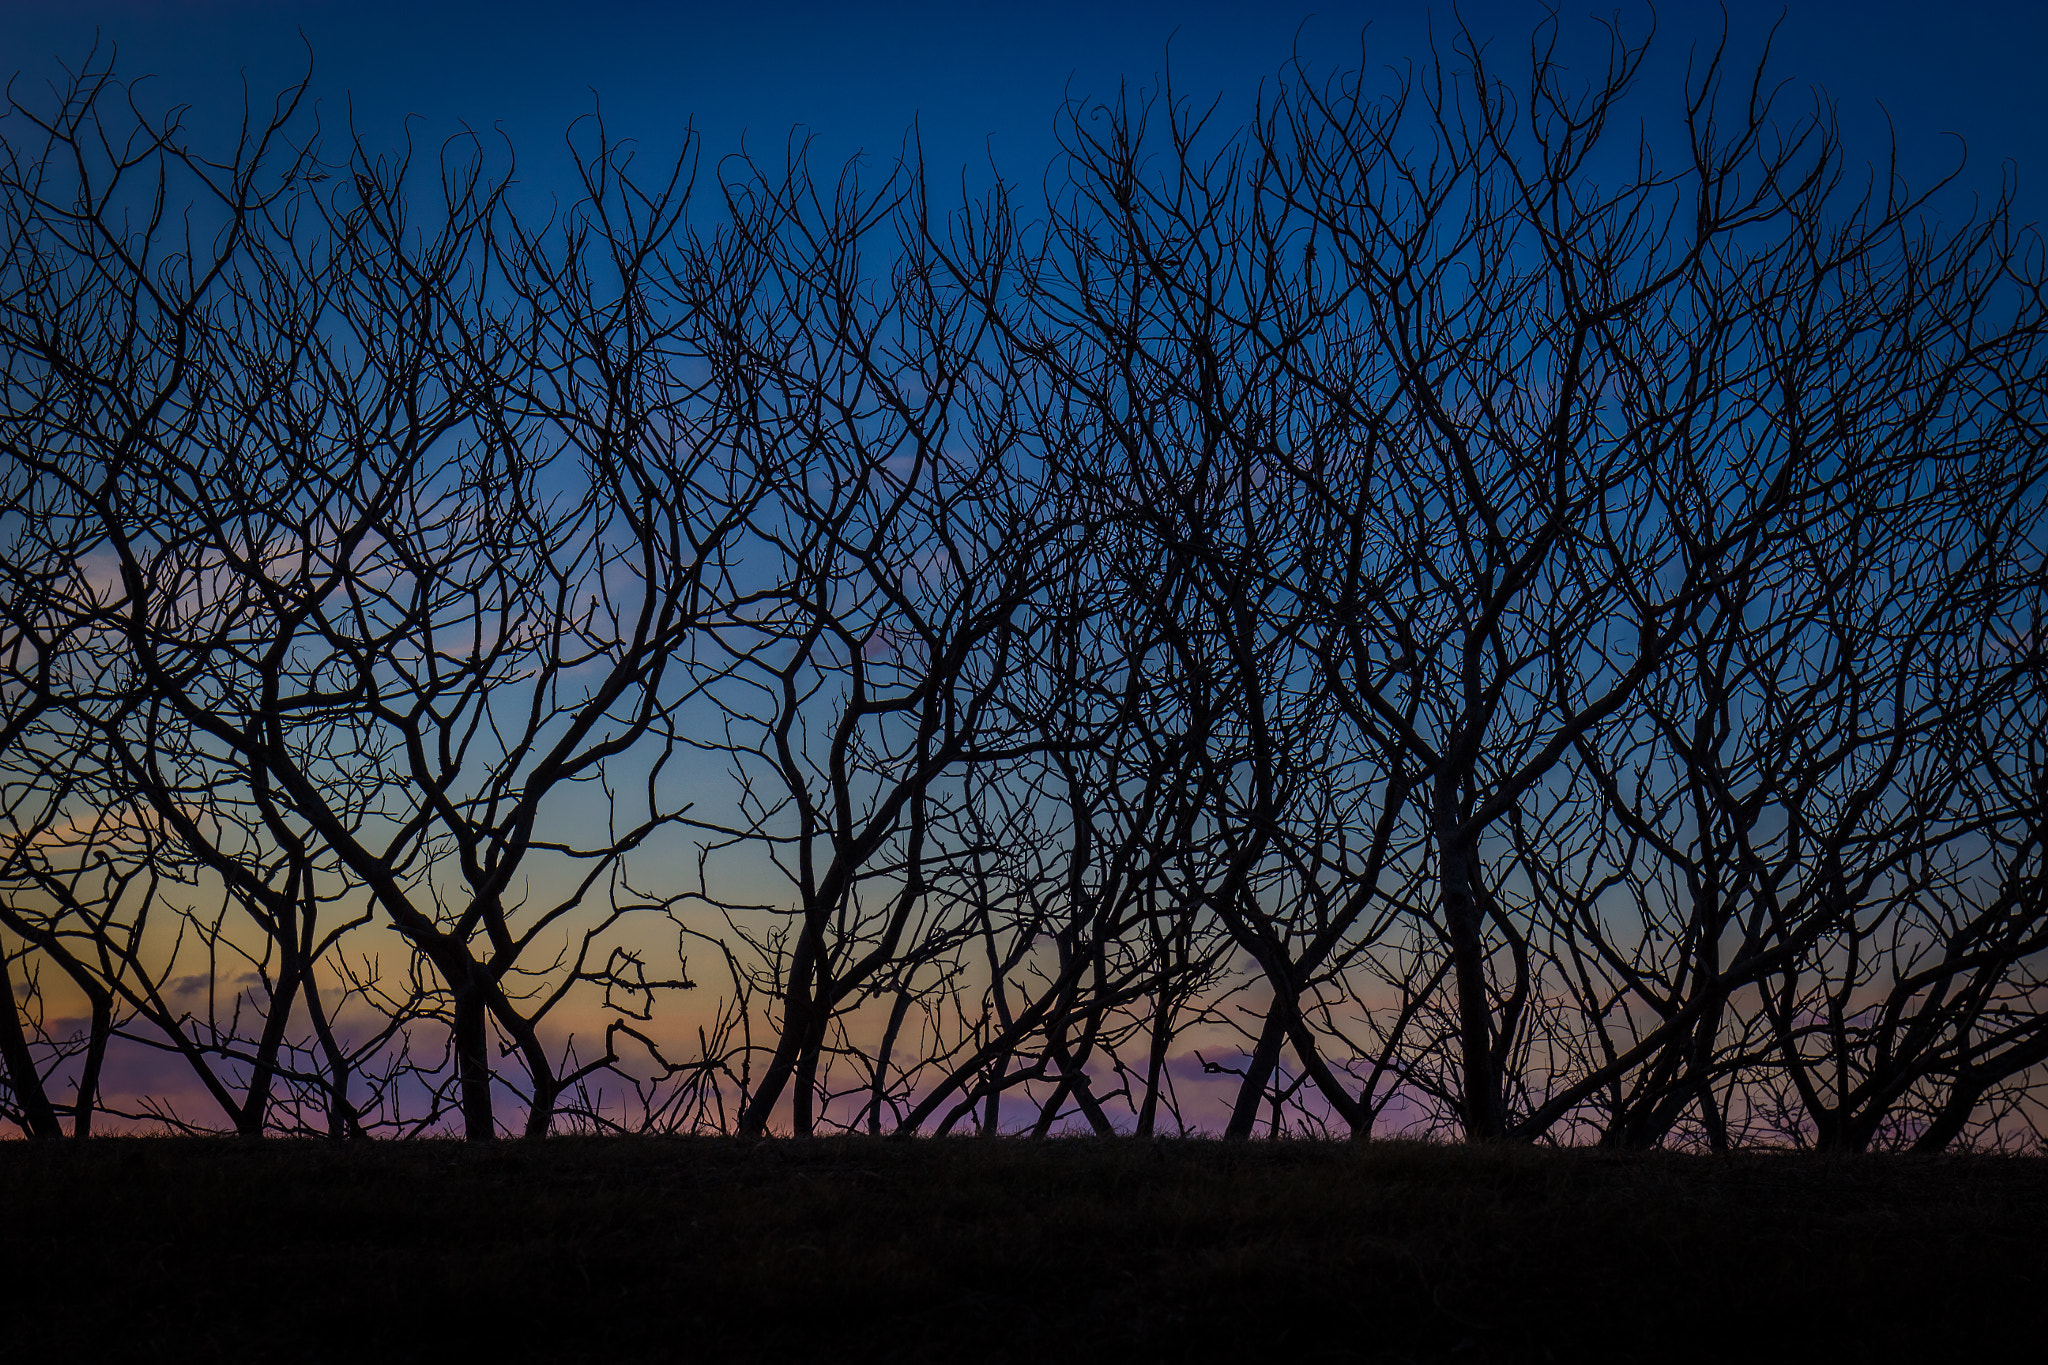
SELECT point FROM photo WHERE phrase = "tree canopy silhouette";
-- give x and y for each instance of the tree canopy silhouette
(1486, 600)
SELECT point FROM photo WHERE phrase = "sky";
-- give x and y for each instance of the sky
(984, 81)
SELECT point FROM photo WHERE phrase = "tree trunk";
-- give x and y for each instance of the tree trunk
(1244, 1114)
(796, 1027)
(38, 1118)
(803, 1091)
(878, 1088)
(1155, 1062)
(1484, 1119)
(473, 1061)
(1953, 1117)
(95, 1054)
(342, 1121)
(256, 1100)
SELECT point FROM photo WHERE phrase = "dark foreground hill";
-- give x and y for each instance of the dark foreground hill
(716, 1250)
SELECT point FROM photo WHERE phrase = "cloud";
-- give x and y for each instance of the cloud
(198, 984)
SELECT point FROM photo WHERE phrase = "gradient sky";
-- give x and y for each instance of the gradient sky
(983, 80)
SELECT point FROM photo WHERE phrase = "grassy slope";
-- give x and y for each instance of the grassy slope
(621, 1250)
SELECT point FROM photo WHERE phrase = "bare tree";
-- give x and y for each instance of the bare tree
(1567, 450)
(409, 528)
(1440, 607)
(901, 571)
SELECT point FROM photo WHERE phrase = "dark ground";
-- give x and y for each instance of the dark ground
(621, 1250)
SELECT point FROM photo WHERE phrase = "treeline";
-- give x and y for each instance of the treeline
(1436, 609)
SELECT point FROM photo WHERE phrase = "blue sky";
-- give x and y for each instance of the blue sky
(983, 79)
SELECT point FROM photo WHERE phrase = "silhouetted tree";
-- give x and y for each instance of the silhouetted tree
(1440, 606)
